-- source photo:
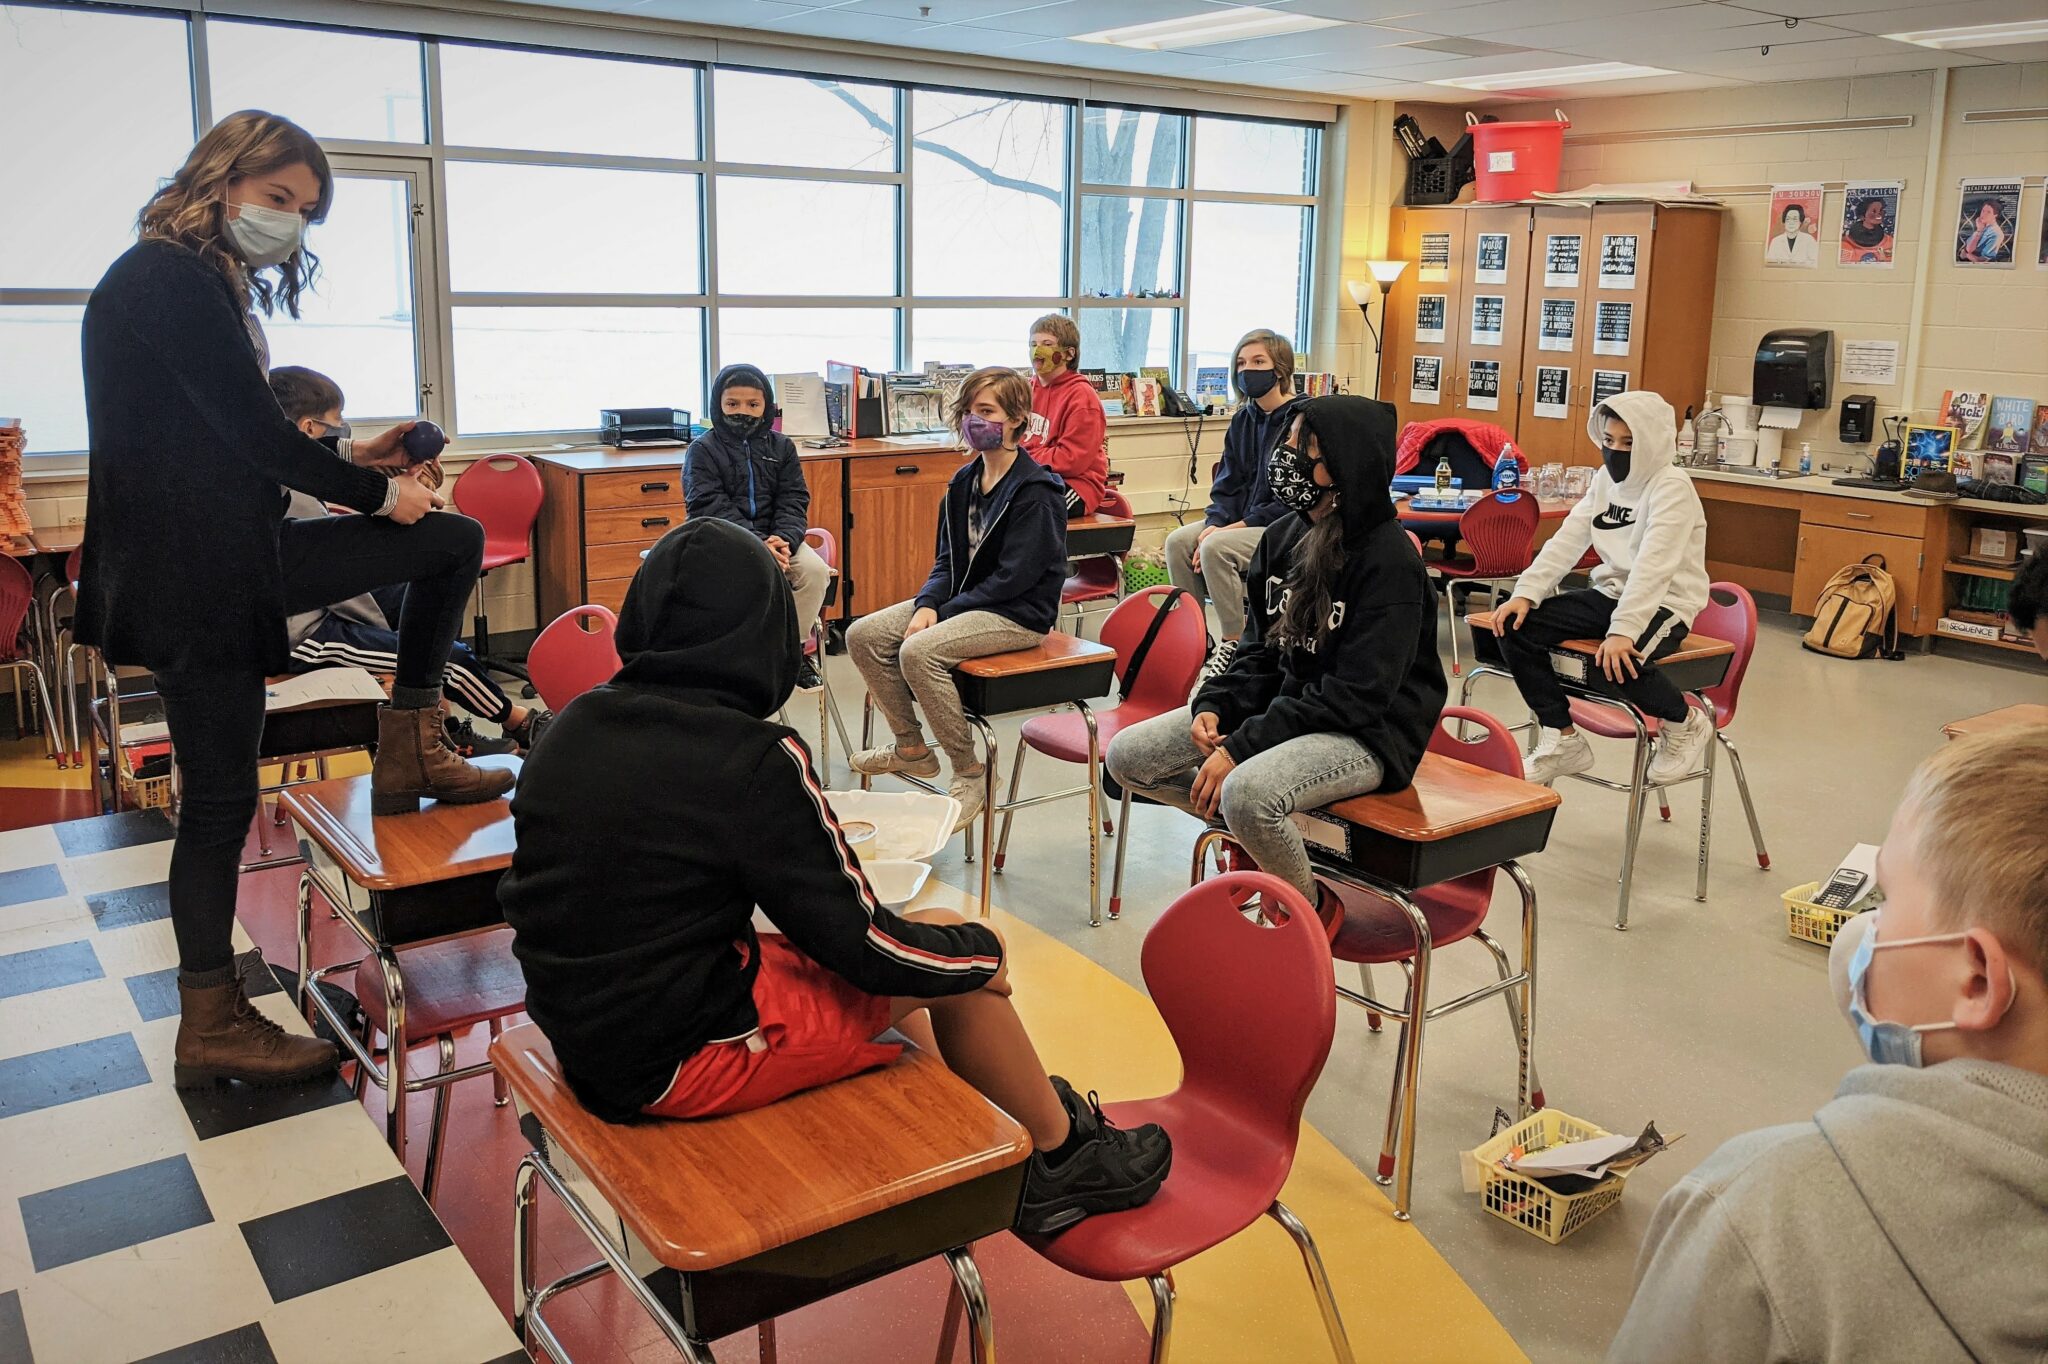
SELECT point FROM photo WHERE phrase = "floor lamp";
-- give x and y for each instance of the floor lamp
(1384, 273)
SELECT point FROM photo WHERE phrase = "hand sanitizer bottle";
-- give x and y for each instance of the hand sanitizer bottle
(1806, 457)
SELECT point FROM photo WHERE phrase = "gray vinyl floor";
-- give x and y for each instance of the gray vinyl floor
(1704, 1017)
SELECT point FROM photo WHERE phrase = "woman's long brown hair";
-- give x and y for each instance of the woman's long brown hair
(192, 208)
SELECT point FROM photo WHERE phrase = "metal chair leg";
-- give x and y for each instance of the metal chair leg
(1756, 831)
(1411, 1067)
(1390, 1140)
(967, 1277)
(1638, 775)
(1318, 1277)
(394, 1066)
(1451, 617)
(1116, 881)
(430, 1173)
(1373, 1021)
(1526, 1077)
(764, 1335)
(500, 1093)
(1016, 777)
(1699, 891)
(1162, 1315)
(1094, 815)
(988, 808)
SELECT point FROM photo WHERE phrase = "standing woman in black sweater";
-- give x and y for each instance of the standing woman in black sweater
(189, 568)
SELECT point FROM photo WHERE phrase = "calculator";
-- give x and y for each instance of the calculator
(1841, 892)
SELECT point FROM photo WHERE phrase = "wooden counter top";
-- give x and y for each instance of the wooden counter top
(603, 459)
(1825, 486)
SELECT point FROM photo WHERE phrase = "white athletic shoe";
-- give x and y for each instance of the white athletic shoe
(1679, 746)
(1558, 754)
(972, 793)
(1219, 659)
(879, 762)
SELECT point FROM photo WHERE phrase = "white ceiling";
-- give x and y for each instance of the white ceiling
(1378, 53)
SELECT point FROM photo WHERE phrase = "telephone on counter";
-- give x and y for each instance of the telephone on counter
(1174, 403)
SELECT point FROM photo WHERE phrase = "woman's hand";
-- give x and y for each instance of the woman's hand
(430, 473)
(1208, 788)
(1511, 616)
(924, 618)
(415, 499)
(1205, 732)
(1617, 657)
(382, 451)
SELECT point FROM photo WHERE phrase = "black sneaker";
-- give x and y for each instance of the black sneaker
(527, 735)
(1113, 1171)
(807, 678)
(463, 738)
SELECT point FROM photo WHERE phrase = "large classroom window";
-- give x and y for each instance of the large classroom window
(520, 238)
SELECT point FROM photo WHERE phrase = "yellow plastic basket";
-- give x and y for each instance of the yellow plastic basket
(1810, 922)
(1537, 1210)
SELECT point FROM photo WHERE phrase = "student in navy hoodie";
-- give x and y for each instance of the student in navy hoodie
(744, 471)
(994, 587)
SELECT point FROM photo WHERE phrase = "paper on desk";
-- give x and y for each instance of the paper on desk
(327, 687)
(926, 438)
(1571, 1158)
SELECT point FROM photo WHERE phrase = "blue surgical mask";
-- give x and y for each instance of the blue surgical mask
(266, 236)
(1884, 1042)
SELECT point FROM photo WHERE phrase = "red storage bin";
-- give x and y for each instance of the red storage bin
(1514, 160)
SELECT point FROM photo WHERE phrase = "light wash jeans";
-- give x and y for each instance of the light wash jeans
(1158, 759)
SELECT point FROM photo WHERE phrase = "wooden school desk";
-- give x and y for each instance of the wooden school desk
(1100, 533)
(2008, 718)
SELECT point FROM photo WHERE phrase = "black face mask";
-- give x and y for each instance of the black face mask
(1291, 476)
(1616, 462)
(741, 424)
(1257, 383)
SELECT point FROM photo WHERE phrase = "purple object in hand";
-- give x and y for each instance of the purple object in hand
(423, 442)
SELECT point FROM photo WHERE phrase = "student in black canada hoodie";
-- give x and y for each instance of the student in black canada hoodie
(1337, 685)
(745, 471)
(663, 808)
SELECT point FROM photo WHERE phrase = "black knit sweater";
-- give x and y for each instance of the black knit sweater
(180, 569)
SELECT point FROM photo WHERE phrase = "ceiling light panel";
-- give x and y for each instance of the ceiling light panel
(1593, 73)
(1976, 36)
(1235, 24)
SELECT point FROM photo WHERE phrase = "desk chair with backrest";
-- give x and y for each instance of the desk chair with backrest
(577, 651)
(17, 597)
(1096, 546)
(502, 493)
(1501, 535)
(1468, 466)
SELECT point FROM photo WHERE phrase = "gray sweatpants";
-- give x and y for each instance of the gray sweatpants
(1226, 556)
(1158, 758)
(808, 576)
(920, 669)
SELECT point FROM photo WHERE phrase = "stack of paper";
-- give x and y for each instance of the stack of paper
(1594, 1158)
(13, 510)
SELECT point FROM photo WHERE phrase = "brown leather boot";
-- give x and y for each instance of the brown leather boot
(415, 763)
(222, 1037)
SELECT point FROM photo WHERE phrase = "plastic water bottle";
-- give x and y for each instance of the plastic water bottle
(1443, 477)
(1507, 476)
(1806, 457)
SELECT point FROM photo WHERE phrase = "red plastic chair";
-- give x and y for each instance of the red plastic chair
(1099, 577)
(1376, 930)
(17, 596)
(503, 494)
(1415, 540)
(1162, 685)
(826, 546)
(1501, 535)
(1252, 1010)
(1730, 614)
(578, 651)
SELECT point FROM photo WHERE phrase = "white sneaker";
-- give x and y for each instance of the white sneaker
(1558, 754)
(1679, 746)
(1219, 659)
(879, 762)
(972, 793)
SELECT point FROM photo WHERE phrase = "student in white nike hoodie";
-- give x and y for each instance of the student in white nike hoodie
(1645, 521)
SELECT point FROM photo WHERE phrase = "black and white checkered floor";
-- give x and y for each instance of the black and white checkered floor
(139, 1222)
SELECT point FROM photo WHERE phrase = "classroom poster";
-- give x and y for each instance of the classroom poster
(1618, 260)
(1435, 265)
(1559, 324)
(1489, 314)
(1429, 318)
(1986, 220)
(1613, 323)
(1490, 260)
(1425, 380)
(1607, 383)
(1482, 385)
(1870, 223)
(1794, 240)
(1561, 260)
(1553, 391)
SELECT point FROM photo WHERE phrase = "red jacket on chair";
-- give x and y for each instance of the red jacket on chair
(1489, 440)
(1069, 434)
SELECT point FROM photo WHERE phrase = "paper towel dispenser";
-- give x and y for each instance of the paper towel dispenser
(1793, 367)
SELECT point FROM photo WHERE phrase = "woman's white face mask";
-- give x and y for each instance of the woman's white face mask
(265, 236)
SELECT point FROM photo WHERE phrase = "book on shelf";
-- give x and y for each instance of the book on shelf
(853, 400)
(1145, 398)
(2010, 423)
(1213, 381)
(2037, 444)
(1966, 412)
(1157, 373)
(1998, 467)
(910, 403)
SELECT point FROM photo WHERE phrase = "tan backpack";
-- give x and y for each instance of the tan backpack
(1857, 613)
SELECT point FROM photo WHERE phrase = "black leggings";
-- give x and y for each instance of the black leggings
(1586, 614)
(216, 717)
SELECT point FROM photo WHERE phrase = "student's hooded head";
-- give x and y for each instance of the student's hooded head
(1637, 433)
(710, 616)
(1344, 444)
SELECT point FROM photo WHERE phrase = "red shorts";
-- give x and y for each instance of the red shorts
(815, 1028)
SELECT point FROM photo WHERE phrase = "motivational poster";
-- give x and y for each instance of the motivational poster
(1429, 318)
(1489, 319)
(1561, 260)
(1553, 391)
(1425, 380)
(1613, 324)
(1559, 324)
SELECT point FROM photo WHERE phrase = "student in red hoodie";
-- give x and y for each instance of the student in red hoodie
(1068, 433)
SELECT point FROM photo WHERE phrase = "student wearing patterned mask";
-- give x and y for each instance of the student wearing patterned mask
(1908, 1218)
(1069, 431)
(994, 588)
(745, 471)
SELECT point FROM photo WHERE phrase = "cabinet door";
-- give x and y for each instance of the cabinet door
(1488, 329)
(1619, 243)
(892, 525)
(1825, 549)
(1399, 324)
(1553, 424)
(828, 512)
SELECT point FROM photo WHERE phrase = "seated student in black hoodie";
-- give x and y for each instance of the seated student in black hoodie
(1336, 685)
(662, 810)
(994, 588)
(744, 471)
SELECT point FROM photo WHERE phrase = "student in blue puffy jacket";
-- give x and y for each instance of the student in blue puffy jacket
(744, 471)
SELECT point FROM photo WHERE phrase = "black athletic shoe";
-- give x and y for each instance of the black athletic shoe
(1114, 1170)
(528, 734)
(463, 738)
(807, 678)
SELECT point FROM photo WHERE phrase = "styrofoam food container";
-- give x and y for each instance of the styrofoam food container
(909, 825)
(896, 883)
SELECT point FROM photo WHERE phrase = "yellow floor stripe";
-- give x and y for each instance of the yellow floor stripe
(1248, 1301)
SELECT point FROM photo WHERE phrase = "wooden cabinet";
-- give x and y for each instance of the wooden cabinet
(598, 511)
(1824, 550)
(892, 504)
(1655, 301)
